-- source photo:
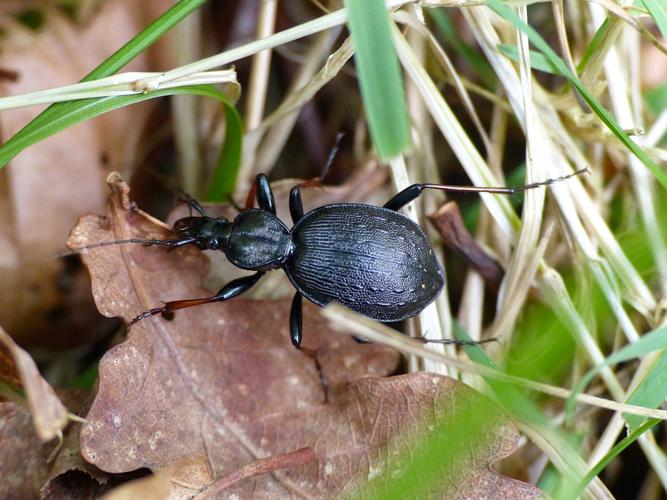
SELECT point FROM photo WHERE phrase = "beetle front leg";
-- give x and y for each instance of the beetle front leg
(296, 320)
(232, 289)
(192, 204)
(261, 189)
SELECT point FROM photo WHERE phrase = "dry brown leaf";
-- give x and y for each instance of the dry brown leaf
(17, 367)
(46, 187)
(220, 385)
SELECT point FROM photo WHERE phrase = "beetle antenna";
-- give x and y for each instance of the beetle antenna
(145, 242)
(503, 190)
(332, 155)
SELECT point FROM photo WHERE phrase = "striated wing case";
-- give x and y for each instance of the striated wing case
(370, 259)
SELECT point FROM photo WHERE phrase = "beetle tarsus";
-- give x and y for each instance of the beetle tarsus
(458, 342)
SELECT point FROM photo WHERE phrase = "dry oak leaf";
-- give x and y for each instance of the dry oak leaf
(222, 386)
(17, 367)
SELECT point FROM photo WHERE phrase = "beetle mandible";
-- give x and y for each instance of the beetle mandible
(371, 259)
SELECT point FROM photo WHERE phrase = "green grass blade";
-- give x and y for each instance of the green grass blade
(594, 45)
(90, 108)
(108, 67)
(379, 76)
(541, 45)
(658, 14)
(226, 171)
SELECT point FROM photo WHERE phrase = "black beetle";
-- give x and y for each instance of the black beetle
(371, 259)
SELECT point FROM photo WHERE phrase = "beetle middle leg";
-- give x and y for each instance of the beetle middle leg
(232, 289)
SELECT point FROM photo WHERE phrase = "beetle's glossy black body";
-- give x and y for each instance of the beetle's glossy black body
(371, 259)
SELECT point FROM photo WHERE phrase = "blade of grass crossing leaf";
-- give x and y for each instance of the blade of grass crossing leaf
(658, 13)
(109, 66)
(227, 168)
(90, 108)
(520, 406)
(499, 8)
(379, 76)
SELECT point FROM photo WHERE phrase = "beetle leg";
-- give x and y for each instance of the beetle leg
(184, 197)
(265, 195)
(399, 200)
(296, 320)
(261, 190)
(404, 197)
(232, 289)
(295, 204)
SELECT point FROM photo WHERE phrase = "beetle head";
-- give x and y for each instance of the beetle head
(208, 233)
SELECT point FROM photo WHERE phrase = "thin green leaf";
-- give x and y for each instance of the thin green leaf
(594, 45)
(379, 76)
(108, 67)
(499, 8)
(537, 60)
(226, 171)
(657, 12)
(90, 108)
